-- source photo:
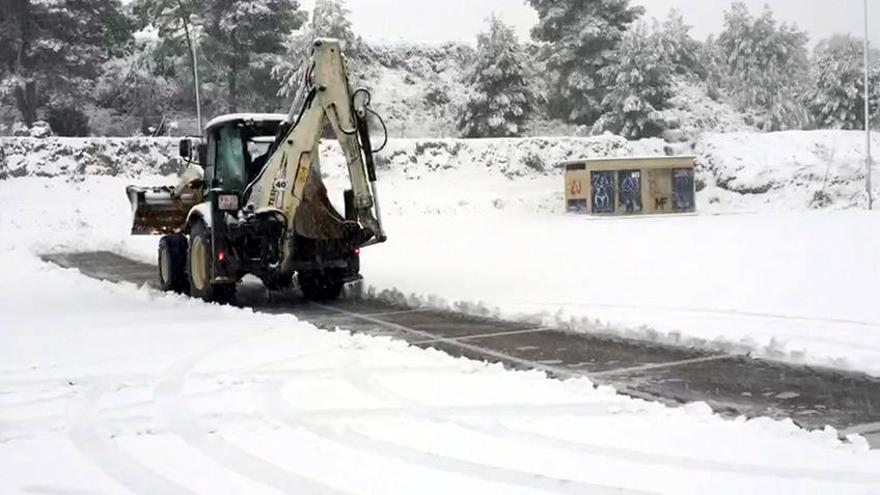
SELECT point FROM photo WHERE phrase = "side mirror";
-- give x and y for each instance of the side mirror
(185, 148)
(203, 153)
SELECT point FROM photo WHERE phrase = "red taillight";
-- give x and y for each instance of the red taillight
(357, 251)
(221, 256)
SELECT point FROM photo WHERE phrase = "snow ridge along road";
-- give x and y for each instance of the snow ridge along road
(733, 385)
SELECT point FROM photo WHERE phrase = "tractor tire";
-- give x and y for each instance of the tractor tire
(172, 263)
(320, 286)
(200, 270)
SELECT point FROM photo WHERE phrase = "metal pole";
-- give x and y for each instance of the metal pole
(867, 120)
(192, 41)
(195, 56)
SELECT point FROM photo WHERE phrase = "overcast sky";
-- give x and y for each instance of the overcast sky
(443, 20)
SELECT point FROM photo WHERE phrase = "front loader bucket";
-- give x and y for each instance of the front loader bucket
(157, 210)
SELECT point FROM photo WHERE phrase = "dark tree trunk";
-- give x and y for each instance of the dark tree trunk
(26, 99)
(26, 89)
(232, 77)
(232, 81)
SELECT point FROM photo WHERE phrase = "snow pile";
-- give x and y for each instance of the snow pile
(50, 157)
(123, 389)
(794, 169)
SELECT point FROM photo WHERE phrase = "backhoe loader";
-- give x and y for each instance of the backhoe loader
(252, 200)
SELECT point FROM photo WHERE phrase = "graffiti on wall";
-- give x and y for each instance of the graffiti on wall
(682, 189)
(630, 194)
(602, 193)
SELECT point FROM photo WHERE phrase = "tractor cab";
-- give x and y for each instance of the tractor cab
(234, 150)
(229, 156)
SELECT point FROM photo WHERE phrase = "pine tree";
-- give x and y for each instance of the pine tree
(765, 66)
(171, 21)
(52, 50)
(682, 50)
(580, 35)
(330, 19)
(134, 84)
(502, 98)
(243, 41)
(639, 82)
(838, 101)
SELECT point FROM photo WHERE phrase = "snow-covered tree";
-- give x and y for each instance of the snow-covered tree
(134, 84)
(330, 19)
(765, 66)
(243, 42)
(52, 50)
(838, 101)
(681, 50)
(502, 98)
(580, 35)
(639, 84)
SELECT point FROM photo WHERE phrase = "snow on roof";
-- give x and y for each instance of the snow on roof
(630, 158)
(245, 116)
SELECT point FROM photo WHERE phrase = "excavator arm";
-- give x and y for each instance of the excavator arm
(284, 183)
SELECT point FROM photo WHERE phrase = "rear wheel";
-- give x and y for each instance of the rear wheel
(172, 263)
(200, 269)
(320, 286)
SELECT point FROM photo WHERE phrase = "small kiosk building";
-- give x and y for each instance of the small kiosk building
(630, 186)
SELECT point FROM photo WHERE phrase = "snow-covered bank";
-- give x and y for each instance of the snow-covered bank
(793, 170)
(77, 157)
(122, 389)
(740, 171)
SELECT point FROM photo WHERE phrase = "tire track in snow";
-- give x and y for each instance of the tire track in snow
(363, 380)
(181, 421)
(96, 445)
(285, 414)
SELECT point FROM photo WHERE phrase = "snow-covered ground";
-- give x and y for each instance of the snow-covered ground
(114, 388)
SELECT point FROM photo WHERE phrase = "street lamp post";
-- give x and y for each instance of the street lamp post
(193, 58)
(867, 120)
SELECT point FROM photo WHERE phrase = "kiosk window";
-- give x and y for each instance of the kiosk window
(602, 192)
(682, 189)
(630, 190)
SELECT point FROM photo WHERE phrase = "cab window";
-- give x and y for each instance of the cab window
(229, 164)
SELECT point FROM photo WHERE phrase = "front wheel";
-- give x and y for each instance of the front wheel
(172, 263)
(200, 268)
(320, 286)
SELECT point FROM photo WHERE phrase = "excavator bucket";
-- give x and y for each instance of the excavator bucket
(159, 210)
